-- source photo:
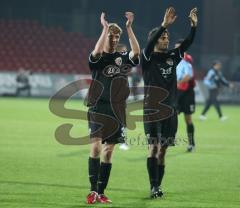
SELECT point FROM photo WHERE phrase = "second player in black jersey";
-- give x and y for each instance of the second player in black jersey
(159, 72)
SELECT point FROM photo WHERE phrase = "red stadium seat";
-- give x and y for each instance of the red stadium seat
(28, 44)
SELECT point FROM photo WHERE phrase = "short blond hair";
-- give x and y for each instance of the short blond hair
(114, 28)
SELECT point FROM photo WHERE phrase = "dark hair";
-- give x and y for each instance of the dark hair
(153, 32)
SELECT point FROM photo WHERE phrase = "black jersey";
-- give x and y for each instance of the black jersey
(159, 69)
(109, 74)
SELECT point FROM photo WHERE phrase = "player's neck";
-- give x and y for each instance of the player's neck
(160, 50)
(108, 49)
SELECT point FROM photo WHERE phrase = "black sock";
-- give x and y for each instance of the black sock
(190, 133)
(93, 171)
(161, 171)
(105, 169)
(152, 168)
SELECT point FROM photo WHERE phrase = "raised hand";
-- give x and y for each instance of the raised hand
(103, 21)
(193, 17)
(169, 17)
(130, 18)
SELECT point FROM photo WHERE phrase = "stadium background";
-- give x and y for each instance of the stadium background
(53, 38)
(56, 37)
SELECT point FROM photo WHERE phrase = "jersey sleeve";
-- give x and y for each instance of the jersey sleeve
(208, 79)
(147, 51)
(224, 80)
(177, 54)
(95, 63)
(143, 62)
(130, 61)
(188, 41)
(180, 71)
(188, 70)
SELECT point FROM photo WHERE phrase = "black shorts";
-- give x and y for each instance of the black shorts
(162, 132)
(186, 101)
(105, 124)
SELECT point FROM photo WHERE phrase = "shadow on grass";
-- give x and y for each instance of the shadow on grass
(32, 204)
(58, 185)
(41, 184)
(22, 203)
(71, 154)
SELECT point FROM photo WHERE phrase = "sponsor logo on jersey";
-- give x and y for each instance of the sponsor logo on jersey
(166, 72)
(112, 70)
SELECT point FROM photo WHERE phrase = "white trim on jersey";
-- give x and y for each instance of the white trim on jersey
(180, 55)
(129, 57)
(91, 61)
(143, 51)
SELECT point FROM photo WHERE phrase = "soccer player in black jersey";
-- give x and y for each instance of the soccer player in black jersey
(159, 70)
(107, 102)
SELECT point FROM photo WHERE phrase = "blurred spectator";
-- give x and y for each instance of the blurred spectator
(23, 84)
(214, 81)
(121, 48)
(135, 79)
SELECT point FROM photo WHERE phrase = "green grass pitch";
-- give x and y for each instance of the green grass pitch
(37, 171)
